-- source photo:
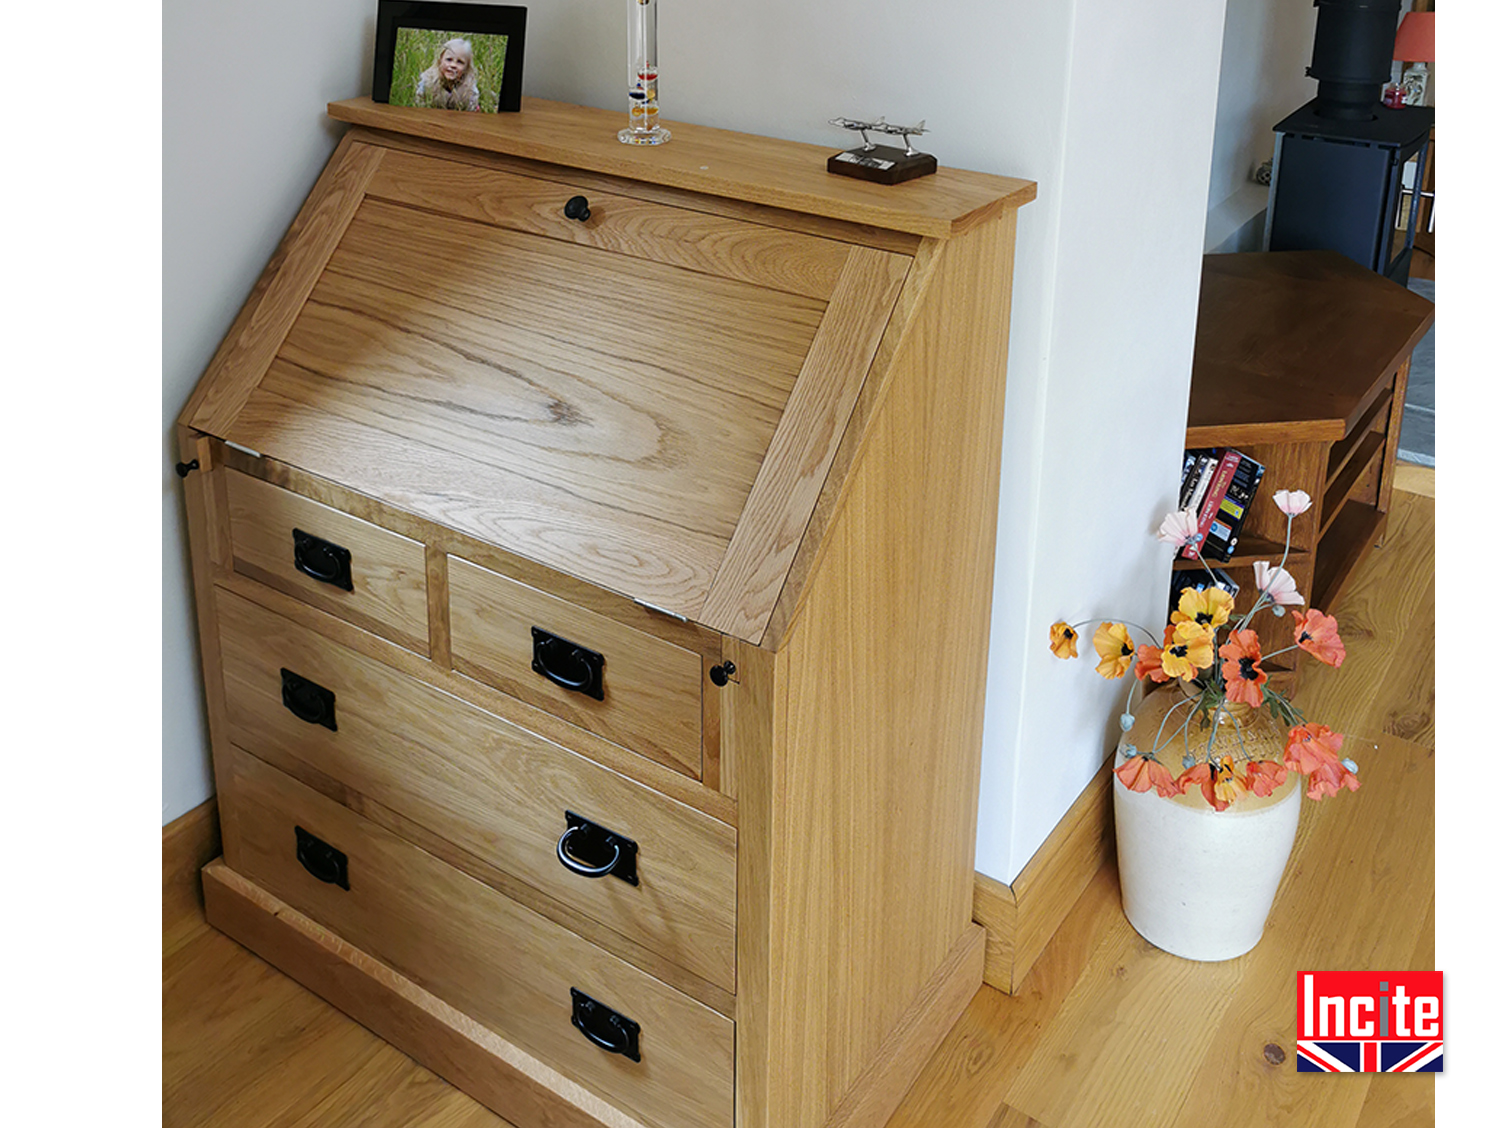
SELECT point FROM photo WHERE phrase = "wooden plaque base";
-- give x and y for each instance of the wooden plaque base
(882, 164)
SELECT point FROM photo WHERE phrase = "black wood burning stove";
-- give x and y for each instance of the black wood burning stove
(1336, 183)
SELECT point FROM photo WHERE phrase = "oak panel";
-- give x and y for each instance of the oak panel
(389, 571)
(652, 690)
(763, 256)
(272, 307)
(505, 966)
(486, 785)
(468, 1055)
(796, 466)
(717, 162)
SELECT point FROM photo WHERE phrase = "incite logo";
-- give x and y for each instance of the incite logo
(1369, 1022)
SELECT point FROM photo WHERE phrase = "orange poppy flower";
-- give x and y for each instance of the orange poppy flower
(1191, 650)
(1318, 634)
(1115, 649)
(1220, 783)
(1243, 676)
(1264, 776)
(1312, 747)
(1142, 773)
(1209, 608)
(1148, 665)
(1328, 779)
(1064, 641)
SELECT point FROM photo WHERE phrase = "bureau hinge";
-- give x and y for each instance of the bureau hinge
(244, 449)
(655, 610)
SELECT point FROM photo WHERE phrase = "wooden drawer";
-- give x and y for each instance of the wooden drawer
(649, 692)
(490, 787)
(499, 963)
(273, 530)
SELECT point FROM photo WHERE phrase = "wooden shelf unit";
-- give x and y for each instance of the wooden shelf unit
(1301, 363)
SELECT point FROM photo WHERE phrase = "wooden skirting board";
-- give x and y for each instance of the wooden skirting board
(189, 842)
(1020, 919)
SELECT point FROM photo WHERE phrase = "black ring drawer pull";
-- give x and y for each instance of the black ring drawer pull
(584, 839)
(608, 1029)
(308, 700)
(323, 560)
(322, 860)
(567, 664)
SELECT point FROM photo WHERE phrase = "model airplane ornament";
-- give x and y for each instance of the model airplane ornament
(883, 164)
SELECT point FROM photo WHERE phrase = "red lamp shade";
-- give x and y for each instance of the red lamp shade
(1416, 38)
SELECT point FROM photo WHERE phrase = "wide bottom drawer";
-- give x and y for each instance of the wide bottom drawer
(516, 972)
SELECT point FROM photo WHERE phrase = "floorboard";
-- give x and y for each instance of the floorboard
(1107, 1030)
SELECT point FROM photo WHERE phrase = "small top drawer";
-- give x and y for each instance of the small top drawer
(361, 572)
(629, 687)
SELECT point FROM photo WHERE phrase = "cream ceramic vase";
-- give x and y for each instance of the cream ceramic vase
(1196, 882)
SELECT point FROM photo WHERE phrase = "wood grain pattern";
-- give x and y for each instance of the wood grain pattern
(652, 690)
(792, 476)
(389, 571)
(762, 256)
(208, 534)
(1021, 919)
(656, 776)
(1386, 620)
(491, 788)
(753, 708)
(277, 299)
(399, 1010)
(923, 269)
(1294, 346)
(898, 1060)
(869, 890)
(716, 162)
(550, 418)
(899, 242)
(188, 843)
(451, 542)
(510, 969)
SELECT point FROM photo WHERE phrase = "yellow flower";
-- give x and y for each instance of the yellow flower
(1209, 608)
(1064, 641)
(1191, 650)
(1115, 650)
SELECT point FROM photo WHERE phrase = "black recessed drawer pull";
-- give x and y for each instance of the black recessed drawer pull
(591, 850)
(609, 1030)
(322, 560)
(322, 860)
(308, 700)
(567, 664)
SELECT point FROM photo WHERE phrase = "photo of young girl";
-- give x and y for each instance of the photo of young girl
(450, 83)
(442, 70)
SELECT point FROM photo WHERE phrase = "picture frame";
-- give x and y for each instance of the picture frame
(416, 66)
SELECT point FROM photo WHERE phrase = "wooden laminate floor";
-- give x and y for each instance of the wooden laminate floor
(1106, 1031)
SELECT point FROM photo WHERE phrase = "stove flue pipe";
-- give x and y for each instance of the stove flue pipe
(1351, 58)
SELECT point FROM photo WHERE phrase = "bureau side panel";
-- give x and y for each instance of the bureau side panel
(880, 684)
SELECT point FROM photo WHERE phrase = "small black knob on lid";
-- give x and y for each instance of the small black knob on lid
(577, 208)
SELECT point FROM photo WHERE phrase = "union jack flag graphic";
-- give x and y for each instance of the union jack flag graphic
(1369, 1057)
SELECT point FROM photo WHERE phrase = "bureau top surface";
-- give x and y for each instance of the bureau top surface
(717, 162)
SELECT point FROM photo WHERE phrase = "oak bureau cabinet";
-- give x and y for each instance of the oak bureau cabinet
(593, 550)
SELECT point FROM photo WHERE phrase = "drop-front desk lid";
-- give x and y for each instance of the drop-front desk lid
(648, 399)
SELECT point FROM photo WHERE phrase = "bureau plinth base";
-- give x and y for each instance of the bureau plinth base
(504, 1077)
(487, 1067)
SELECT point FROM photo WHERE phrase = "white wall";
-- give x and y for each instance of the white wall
(1106, 273)
(236, 165)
